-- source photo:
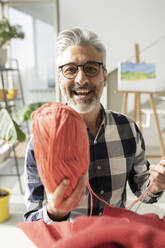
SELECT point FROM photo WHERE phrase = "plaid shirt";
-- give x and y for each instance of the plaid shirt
(117, 156)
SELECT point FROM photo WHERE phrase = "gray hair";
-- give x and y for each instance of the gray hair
(79, 36)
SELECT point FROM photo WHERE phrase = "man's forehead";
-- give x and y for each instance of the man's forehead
(79, 54)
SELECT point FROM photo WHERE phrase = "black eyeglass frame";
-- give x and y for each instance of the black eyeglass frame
(88, 62)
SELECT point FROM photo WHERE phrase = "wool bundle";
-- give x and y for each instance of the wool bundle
(61, 145)
(116, 228)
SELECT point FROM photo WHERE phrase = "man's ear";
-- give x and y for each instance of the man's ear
(105, 77)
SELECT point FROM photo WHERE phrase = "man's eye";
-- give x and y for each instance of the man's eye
(90, 69)
(70, 70)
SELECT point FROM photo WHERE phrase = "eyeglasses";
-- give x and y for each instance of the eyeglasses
(91, 69)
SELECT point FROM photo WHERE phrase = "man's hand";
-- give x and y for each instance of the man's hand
(57, 206)
(157, 177)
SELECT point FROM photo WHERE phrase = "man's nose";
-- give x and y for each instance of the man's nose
(81, 78)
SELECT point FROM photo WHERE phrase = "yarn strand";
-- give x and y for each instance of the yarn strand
(142, 197)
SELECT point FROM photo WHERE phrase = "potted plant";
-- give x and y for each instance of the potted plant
(8, 32)
(4, 204)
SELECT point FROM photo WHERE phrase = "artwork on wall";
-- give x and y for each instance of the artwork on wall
(137, 77)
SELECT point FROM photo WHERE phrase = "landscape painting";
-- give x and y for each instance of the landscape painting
(136, 71)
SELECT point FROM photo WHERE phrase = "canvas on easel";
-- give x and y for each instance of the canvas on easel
(137, 77)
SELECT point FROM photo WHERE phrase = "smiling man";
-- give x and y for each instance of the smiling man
(82, 77)
(117, 149)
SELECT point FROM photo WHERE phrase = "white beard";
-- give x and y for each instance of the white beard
(89, 108)
(77, 107)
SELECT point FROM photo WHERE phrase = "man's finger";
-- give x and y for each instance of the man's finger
(81, 186)
(58, 195)
(75, 197)
(162, 162)
(158, 168)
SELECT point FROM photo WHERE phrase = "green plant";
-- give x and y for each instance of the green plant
(9, 129)
(8, 32)
(23, 114)
(10, 123)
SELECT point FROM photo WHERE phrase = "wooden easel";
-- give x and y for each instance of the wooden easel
(137, 108)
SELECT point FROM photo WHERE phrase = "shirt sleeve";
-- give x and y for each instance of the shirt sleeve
(35, 197)
(34, 189)
(139, 177)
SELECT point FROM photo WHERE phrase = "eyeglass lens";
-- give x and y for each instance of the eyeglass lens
(90, 69)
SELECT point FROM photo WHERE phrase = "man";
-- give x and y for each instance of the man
(117, 150)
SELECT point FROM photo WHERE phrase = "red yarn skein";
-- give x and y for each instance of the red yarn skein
(61, 145)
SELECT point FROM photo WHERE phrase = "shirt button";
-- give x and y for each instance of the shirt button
(99, 167)
(102, 192)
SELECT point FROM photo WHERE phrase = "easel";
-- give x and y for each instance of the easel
(137, 108)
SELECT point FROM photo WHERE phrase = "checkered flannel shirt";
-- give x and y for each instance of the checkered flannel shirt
(117, 156)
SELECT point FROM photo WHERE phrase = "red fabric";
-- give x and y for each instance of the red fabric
(61, 145)
(117, 228)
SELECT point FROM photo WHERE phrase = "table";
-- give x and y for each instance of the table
(14, 237)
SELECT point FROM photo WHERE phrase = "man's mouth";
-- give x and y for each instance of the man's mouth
(82, 92)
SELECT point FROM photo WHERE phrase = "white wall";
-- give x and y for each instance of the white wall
(121, 24)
